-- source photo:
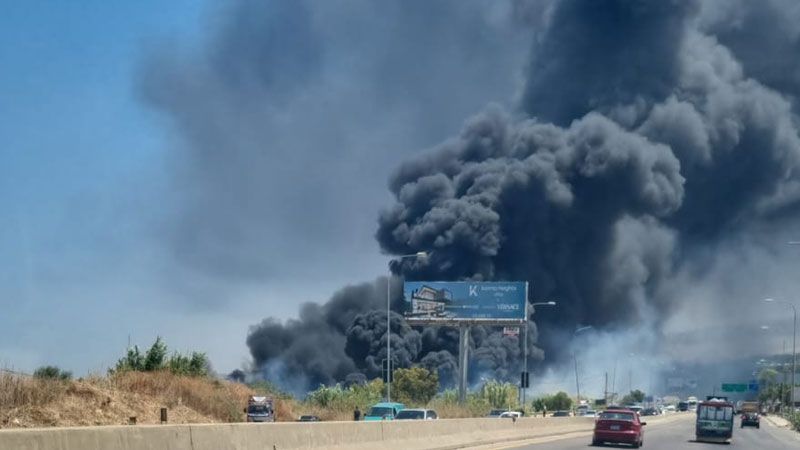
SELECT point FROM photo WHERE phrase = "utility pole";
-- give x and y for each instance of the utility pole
(630, 380)
(614, 381)
(577, 385)
(605, 390)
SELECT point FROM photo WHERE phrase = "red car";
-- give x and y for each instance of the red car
(619, 426)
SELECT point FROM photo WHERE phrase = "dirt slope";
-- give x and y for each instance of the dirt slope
(28, 402)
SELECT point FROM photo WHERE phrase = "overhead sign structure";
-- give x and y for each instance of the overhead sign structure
(740, 387)
(465, 301)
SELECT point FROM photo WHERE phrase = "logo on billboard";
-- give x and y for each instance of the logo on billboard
(438, 301)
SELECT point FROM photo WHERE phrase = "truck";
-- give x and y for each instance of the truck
(260, 409)
(714, 420)
(746, 407)
(750, 415)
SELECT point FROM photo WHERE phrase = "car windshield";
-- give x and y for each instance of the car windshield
(380, 411)
(257, 409)
(496, 412)
(411, 414)
(616, 416)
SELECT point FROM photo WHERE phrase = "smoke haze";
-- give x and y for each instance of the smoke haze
(648, 162)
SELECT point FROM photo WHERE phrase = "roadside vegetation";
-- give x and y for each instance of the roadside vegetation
(139, 385)
(144, 381)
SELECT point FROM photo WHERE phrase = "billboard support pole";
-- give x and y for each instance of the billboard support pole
(525, 360)
(525, 348)
(463, 348)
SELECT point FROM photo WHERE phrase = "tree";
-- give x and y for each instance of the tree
(416, 385)
(558, 402)
(133, 360)
(635, 396)
(154, 359)
(52, 373)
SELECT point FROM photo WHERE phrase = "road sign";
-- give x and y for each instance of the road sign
(510, 331)
(734, 387)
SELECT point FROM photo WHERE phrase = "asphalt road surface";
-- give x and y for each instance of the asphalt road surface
(680, 435)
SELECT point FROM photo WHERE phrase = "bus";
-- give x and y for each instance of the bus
(714, 421)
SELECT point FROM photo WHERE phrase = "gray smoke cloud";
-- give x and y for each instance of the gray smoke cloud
(292, 107)
(642, 140)
(645, 134)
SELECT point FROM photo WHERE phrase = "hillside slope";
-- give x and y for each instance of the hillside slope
(30, 402)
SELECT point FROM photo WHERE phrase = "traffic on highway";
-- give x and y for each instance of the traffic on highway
(679, 434)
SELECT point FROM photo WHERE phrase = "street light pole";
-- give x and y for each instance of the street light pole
(794, 349)
(525, 348)
(575, 358)
(389, 324)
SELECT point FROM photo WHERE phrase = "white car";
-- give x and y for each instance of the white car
(510, 415)
(589, 413)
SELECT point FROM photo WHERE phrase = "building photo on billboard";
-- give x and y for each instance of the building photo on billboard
(464, 301)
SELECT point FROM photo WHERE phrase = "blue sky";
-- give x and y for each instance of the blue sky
(82, 165)
(89, 196)
(187, 169)
(115, 223)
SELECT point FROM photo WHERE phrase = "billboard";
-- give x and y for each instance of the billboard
(465, 301)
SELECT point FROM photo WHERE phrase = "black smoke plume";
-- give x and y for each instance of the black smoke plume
(646, 132)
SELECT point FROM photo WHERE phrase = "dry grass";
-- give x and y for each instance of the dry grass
(29, 402)
(220, 400)
(19, 390)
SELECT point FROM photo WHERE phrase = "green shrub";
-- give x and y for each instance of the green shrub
(194, 364)
(341, 399)
(52, 373)
(500, 395)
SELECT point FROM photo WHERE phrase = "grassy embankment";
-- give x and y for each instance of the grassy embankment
(34, 402)
(110, 400)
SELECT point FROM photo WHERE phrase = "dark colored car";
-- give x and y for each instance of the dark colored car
(751, 419)
(308, 419)
(416, 414)
(561, 414)
(618, 426)
(650, 412)
(495, 413)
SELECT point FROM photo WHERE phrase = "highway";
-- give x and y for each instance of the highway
(679, 435)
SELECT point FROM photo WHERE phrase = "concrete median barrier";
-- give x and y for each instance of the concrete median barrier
(100, 438)
(431, 434)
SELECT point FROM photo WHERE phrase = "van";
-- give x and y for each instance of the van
(384, 411)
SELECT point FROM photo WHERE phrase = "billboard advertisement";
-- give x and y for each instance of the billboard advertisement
(465, 301)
